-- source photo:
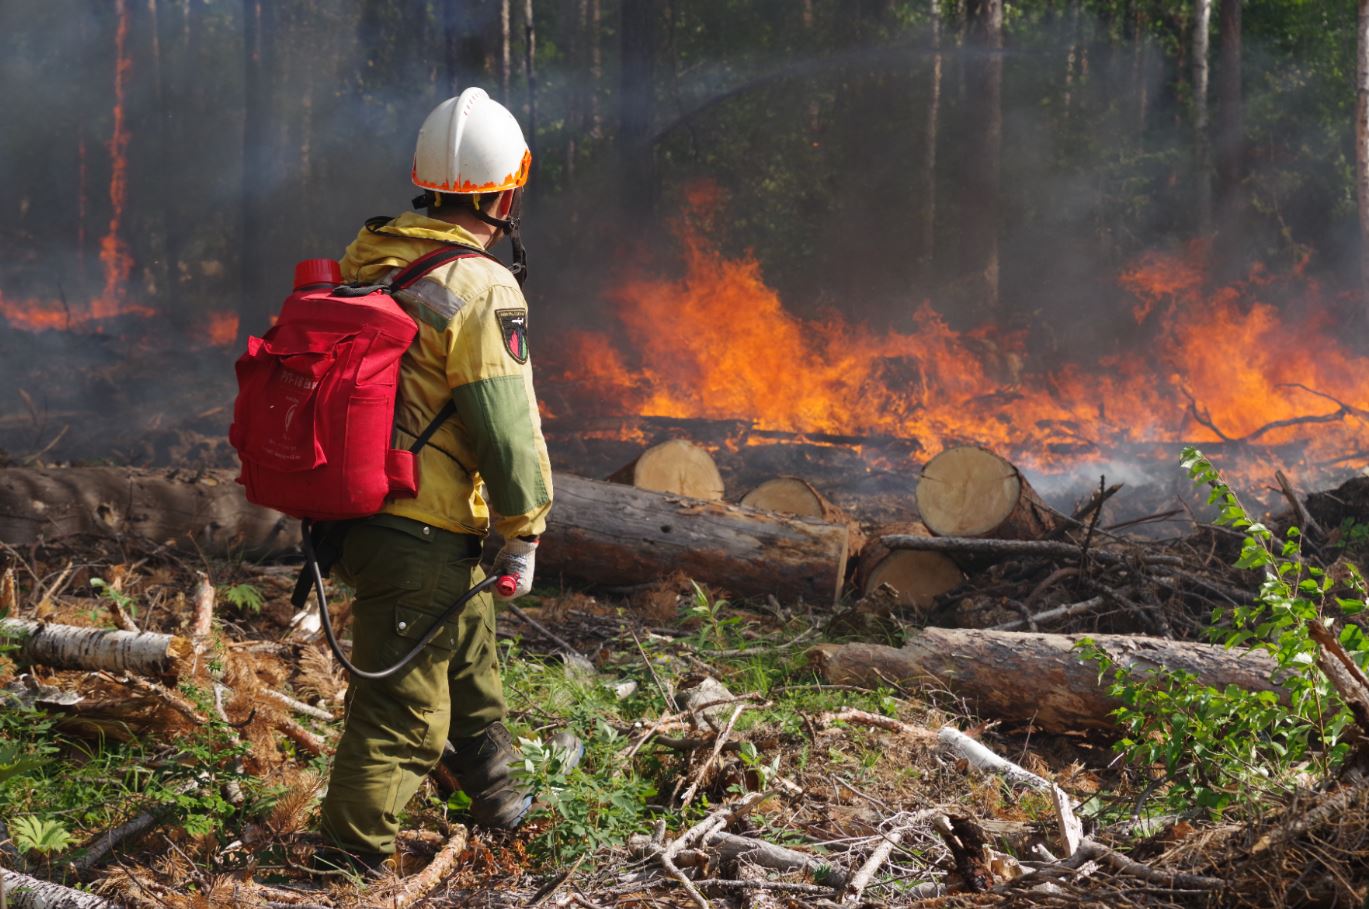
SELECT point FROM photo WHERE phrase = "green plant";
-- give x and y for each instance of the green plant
(245, 597)
(41, 835)
(586, 810)
(116, 596)
(713, 627)
(1219, 748)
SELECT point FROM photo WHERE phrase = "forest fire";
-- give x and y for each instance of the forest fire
(1222, 367)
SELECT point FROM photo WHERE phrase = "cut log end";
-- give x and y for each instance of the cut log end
(917, 580)
(972, 492)
(677, 466)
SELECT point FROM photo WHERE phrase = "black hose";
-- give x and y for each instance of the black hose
(428, 635)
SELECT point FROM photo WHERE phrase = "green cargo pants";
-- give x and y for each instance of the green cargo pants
(405, 575)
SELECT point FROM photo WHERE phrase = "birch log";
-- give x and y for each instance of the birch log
(23, 892)
(1031, 678)
(70, 647)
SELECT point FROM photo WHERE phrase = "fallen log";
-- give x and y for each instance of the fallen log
(205, 510)
(19, 891)
(614, 535)
(791, 495)
(918, 577)
(972, 492)
(677, 466)
(70, 647)
(601, 533)
(1031, 678)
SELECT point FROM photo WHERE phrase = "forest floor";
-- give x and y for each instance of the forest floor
(226, 776)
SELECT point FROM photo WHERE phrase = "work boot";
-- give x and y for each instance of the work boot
(483, 765)
(370, 866)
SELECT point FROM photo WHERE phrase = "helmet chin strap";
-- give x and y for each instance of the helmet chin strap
(511, 225)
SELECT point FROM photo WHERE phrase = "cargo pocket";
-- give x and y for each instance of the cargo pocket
(412, 623)
(384, 564)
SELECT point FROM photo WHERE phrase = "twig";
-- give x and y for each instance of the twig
(1305, 520)
(1059, 612)
(669, 698)
(298, 706)
(544, 632)
(852, 892)
(718, 743)
(554, 884)
(866, 718)
(1096, 850)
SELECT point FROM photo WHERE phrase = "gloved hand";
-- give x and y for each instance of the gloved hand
(517, 559)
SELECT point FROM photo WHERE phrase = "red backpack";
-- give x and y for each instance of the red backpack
(314, 417)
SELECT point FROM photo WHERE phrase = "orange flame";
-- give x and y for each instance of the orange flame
(1222, 365)
(222, 328)
(117, 262)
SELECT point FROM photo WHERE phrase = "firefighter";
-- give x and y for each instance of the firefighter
(410, 562)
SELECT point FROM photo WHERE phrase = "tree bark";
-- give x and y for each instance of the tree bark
(600, 533)
(1202, 18)
(637, 103)
(257, 295)
(929, 166)
(69, 647)
(612, 535)
(19, 891)
(1230, 146)
(205, 511)
(986, 17)
(530, 77)
(1031, 678)
(1362, 145)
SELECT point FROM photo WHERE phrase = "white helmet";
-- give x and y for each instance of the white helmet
(471, 144)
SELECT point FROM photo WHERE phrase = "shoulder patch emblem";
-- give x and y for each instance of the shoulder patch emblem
(513, 325)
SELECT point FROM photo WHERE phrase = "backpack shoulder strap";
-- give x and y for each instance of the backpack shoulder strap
(406, 277)
(421, 266)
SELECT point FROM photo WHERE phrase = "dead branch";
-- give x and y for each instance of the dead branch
(69, 647)
(417, 886)
(1059, 612)
(299, 706)
(769, 855)
(855, 888)
(203, 622)
(866, 718)
(718, 742)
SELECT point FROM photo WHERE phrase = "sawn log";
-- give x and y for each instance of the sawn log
(1031, 678)
(203, 510)
(602, 533)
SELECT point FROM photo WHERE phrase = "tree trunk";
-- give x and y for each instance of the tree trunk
(1362, 145)
(204, 511)
(92, 649)
(919, 577)
(637, 102)
(530, 76)
(505, 50)
(257, 298)
(987, 152)
(677, 466)
(19, 891)
(929, 166)
(1202, 17)
(972, 492)
(600, 533)
(1230, 146)
(612, 535)
(1031, 678)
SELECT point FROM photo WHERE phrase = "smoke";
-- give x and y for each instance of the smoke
(817, 142)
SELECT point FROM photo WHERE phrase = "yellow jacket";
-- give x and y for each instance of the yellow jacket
(472, 348)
